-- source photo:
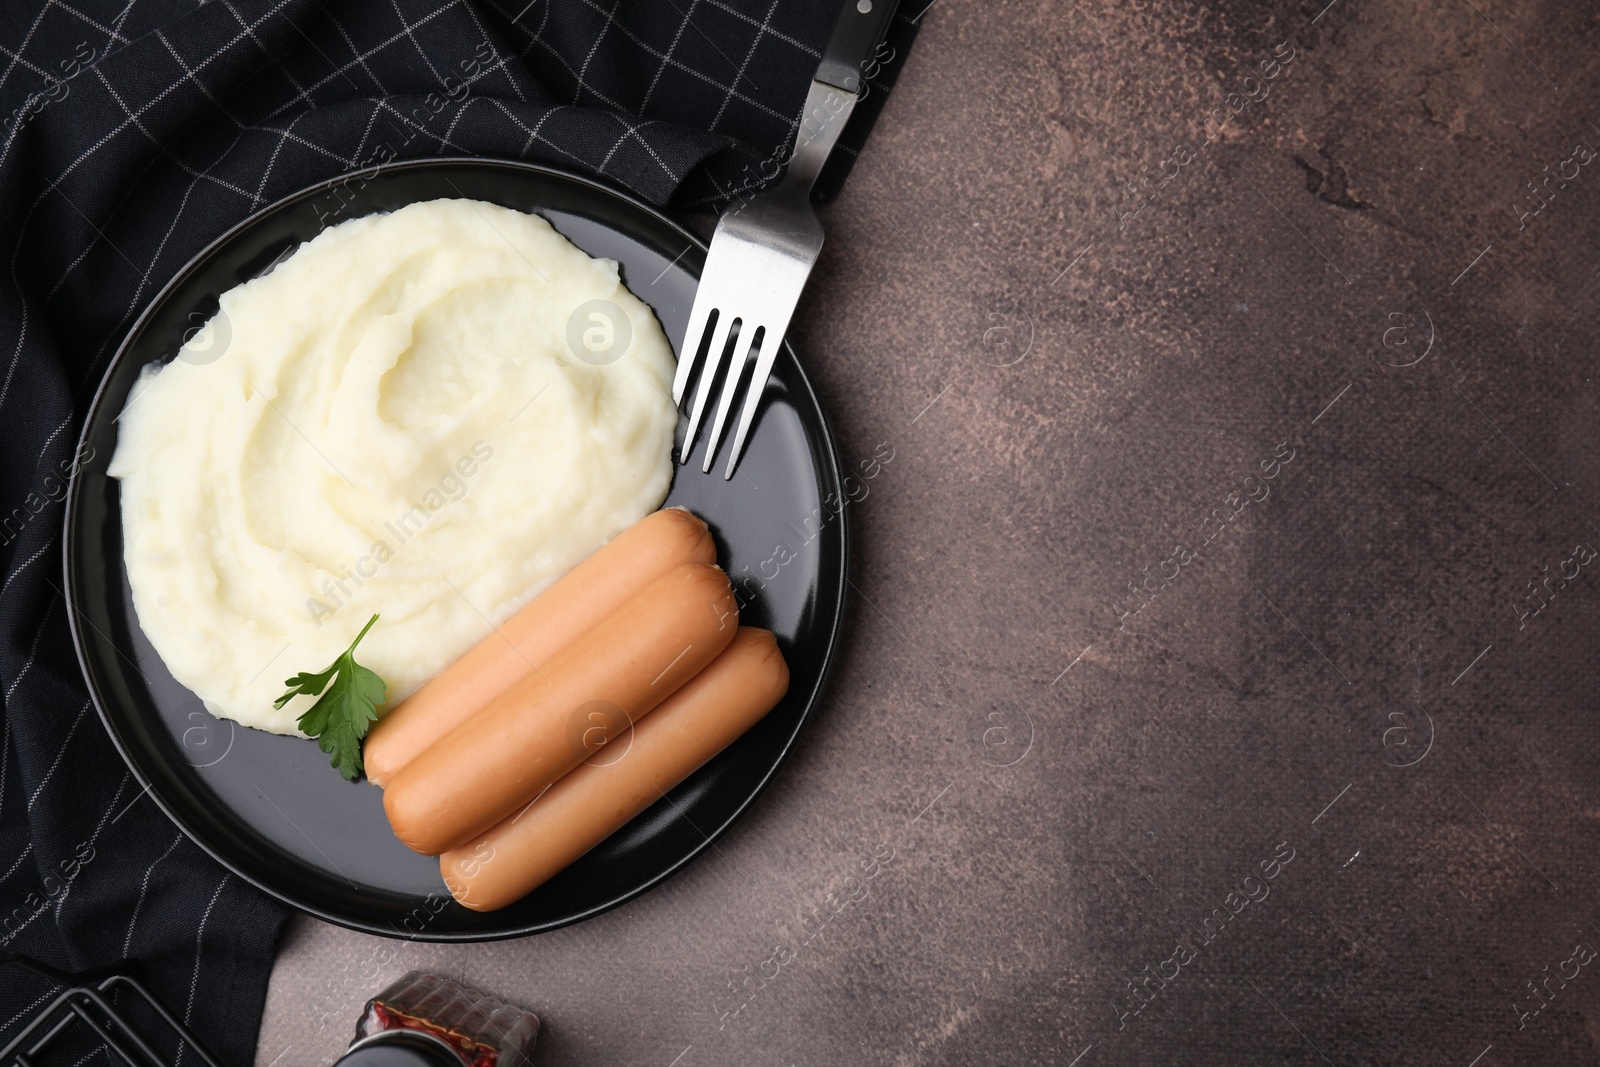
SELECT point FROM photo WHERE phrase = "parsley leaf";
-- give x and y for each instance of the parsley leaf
(340, 717)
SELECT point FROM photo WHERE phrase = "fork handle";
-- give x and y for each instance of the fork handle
(856, 35)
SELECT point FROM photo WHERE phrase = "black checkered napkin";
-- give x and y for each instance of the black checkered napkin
(132, 133)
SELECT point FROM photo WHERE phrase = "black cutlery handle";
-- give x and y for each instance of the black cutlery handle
(857, 34)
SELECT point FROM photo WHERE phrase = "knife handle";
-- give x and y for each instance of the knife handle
(856, 35)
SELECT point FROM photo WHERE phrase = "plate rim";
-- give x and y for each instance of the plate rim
(71, 579)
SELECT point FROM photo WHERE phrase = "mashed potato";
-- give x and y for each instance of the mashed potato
(429, 415)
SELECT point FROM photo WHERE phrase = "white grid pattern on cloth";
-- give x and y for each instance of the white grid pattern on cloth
(785, 38)
(27, 665)
(533, 133)
(16, 57)
(144, 887)
(122, 17)
(194, 983)
(351, 44)
(222, 110)
(688, 17)
(449, 131)
(23, 855)
(111, 31)
(33, 798)
(29, 1010)
(300, 90)
(411, 35)
(632, 130)
(272, 161)
(611, 16)
(94, 838)
(135, 302)
(406, 31)
(730, 92)
(132, 117)
(755, 43)
(68, 892)
(723, 193)
(558, 57)
(366, 132)
(483, 31)
(22, 567)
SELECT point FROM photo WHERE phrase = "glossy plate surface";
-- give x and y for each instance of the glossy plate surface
(270, 807)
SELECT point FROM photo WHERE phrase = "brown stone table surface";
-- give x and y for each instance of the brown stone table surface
(1240, 508)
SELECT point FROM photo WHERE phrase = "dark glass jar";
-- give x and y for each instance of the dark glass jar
(427, 1021)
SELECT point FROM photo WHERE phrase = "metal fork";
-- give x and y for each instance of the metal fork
(763, 249)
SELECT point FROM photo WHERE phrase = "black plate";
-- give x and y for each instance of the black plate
(269, 807)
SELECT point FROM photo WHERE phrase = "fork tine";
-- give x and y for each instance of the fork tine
(741, 354)
(771, 342)
(691, 347)
(708, 374)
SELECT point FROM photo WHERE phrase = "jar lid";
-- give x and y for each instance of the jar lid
(400, 1048)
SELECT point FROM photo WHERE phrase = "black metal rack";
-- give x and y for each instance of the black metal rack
(84, 997)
